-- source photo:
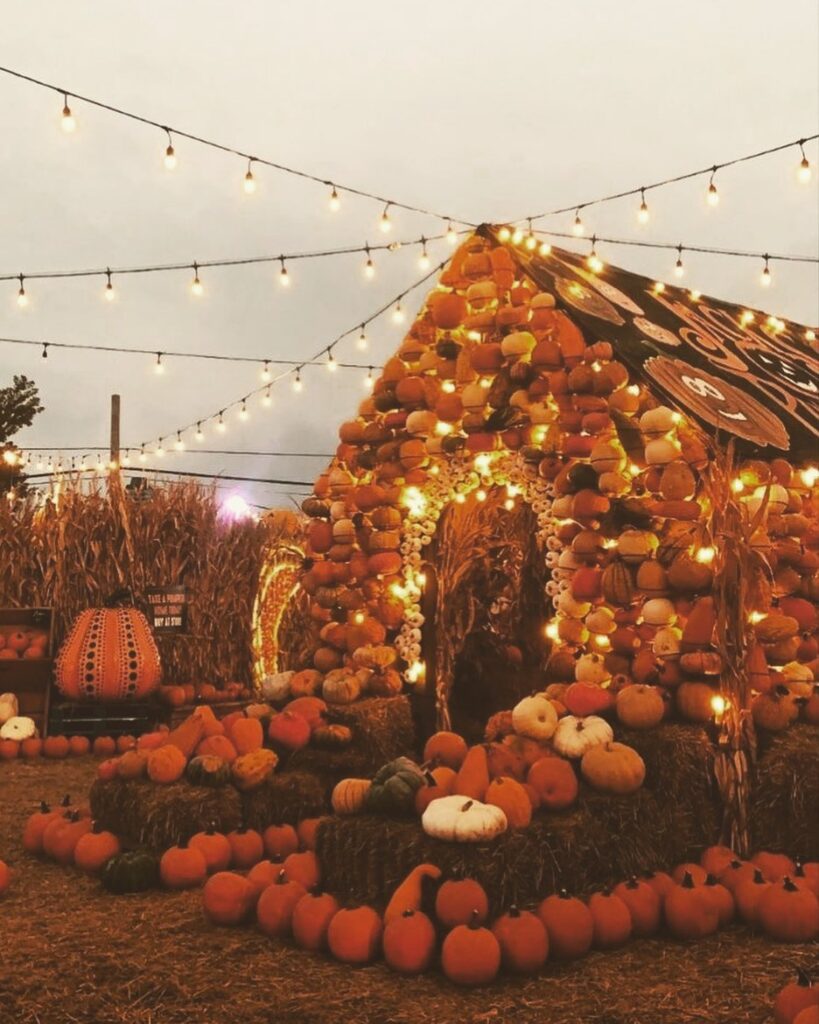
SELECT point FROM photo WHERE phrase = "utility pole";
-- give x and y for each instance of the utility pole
(115, 411)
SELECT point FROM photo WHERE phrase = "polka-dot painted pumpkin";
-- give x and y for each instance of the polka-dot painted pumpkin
(109, 654)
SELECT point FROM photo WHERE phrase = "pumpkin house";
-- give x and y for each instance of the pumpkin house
(584, 483)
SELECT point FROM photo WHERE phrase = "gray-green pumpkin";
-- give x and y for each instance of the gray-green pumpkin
(393, 788)
(134, 871)
(208, 770)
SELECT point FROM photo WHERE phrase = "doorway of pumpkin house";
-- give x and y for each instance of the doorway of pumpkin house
(484, 632)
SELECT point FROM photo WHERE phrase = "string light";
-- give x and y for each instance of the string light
(170, 154)
(332, 365)
(577, 227)
(423, 259)
(695, 295)
(267, 399)
(221, 426)
(266, 370)
(297, 381)
(159, 366)
(504, 233)
(398, 314)
(368, 380)
(765, 276)
(126, 458)
(517, 236)
(334, 202)
(593, 261)
(284, 277)
(706, 555)
(45, 350)
(804, 170)
(22, 298)
(712, 195)
(160, 451)
(196, 284)
(679, 269)
(369, 266)
(385, 223)
(451, 233)
(179, 444)
(361, 343)
(142, 456)
(249, 184)
(544, 249)
(68, 122)
(200, 434)
(243, 413)
(658, 287)
(531, 241)
(746, 317)
(109, 287)
(643, 216)
(810, 334)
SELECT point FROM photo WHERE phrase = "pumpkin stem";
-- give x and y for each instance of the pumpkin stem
(66, 801)
(735, 864)
(467, 805)
(711, 879)
(44, 807)
(803, 978)
(579, 726)
(632, 883)
(799, 870)
(282, 877)
(429, 777)
(513, 911)
(788, 885)
(758, 878)
(563, 894)
(688, 881)
(474, 919)
(409, 912)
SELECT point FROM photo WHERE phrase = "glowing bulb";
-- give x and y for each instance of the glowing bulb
(658, 287)
(199, 435)
(385, 223)
(369, 266)
(267, 399)
(460, 498)
(451, 234)
(601, 640)
(332, 365)
(22, 298)
(284, 277)
(68, 122)
(398, 315)
(126, 458)
(695, 295)
(196, 284)
(159, 366)
(170, 158)
(531, 241)
(221, 426)
(679, 269)
(737, 485)
(243, 412)
(368, 380)
(718, 705)
(756, 617)
(480, 494)
(423, 259)
(544, 249)
(504, 234)
(142, 456)
(448, 387)
(810, 334)
(509, 504)
(179, 444)
(334, 202)
(594, 263)
(249, 183)
(746, 317)
(297, 382)
(804, 172)
(809, 476)
(160, 451)
(706, 555)
(765, 276)
(552, 631)
(517, 236)
(577, 227)
(361, 344)
(110, 294)
(643, 216)
(712, 195)
(265, 375)
(443, 428)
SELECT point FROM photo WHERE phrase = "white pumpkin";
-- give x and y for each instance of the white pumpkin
(459, 820)
(8, 707)
(659, 611)
(794, 672)
(571, 607)
(18, 728)
(666, 643)
(574, 736)
(534, 717)
(277, 687)
(591, 668)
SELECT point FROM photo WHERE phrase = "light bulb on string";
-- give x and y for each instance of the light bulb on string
(369, 266)
(398, 315)
(110, 294)
(695, 295)
(545, 249)
(746, 317)
(142, 456)
(249, 183)
(810, 334)
(577, 228)
(712, 195)
(126, 458)
(803, 172)
(160, 450)
(170, 153)
(50, 465)
(451, 233)
(679, 269)
(334, 202)
(267, 398)
(765, 276)
(179, 444)
(68, 122)
(643, 216)
(361, 343)
(199, 435)
(45, 350)
(40, 463)
(593, 261)
(517, 236)
(221, 426)
(531, 241)
(385, 223)
(243, 412)
(331, 364)
(284, 277)
(423, 259)
(22, 298)
(196, 284)
(298, 384)
(368, 380)
(266, 370)
(159, 366)
(504, 233)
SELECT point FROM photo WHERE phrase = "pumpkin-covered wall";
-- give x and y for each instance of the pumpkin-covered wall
(670, 525)
(74, 553)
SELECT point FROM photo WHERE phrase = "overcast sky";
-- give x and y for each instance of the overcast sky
(484, 110)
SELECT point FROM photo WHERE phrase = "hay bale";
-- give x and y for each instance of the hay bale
(382, 730)
(599, 842)
(785, 798)
(144, 814)
(286, 798)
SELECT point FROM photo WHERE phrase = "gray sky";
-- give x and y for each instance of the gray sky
(487, 111)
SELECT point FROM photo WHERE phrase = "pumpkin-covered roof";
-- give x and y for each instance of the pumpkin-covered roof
(757, 381)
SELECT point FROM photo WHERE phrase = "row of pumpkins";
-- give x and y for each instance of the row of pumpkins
(280, 887)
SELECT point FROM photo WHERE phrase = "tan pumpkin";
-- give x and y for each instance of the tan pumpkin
(349, 794)
(534, 717)
(613, 768)
(250, 770)
(341, 686)
(640, 706)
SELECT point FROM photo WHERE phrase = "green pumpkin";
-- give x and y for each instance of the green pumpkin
(208, 770)
(393, 788)
(134, 871)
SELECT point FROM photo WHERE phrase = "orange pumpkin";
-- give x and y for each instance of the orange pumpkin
(274, 911)
(611, 918)
(247, 735)
(280, 841)
(227, 898)
(78, 746)
(304, 868)
(166, 764)
(61, 835)
(569, 924)
(354, 936)
(246, 847)
(215, 848)
(409, 894)
(307, 831)
(94, 849)
(457, 900)
(109, 654)
(470, 955)
(182, 867)
(788, 913)
(55, 747)
(446, 748)
(555, 782)
(217, 746)
(510, 796)
(644, 906)
(311, 918)
(35, 826)
(523, 941)
(689, 913)
(409, 942)
(472, 779)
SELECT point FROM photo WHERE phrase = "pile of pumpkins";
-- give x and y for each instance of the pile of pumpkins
(19, 737)
(492, 365)
(798, 1001)
(694, 901)
(22, 642)
(472, 794)
(178, 695)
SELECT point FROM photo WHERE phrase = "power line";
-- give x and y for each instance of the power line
(711, 169)
(189, 451)
(243, 154)
(184, 473)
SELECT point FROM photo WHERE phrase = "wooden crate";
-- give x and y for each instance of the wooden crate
(30, 680)
(103, 718)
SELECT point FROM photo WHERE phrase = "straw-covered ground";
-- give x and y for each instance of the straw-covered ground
(72, 953)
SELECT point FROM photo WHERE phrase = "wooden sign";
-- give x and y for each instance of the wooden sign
(168, 608)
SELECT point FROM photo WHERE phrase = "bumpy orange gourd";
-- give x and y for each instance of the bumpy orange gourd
(109, 654)
(166, 764)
